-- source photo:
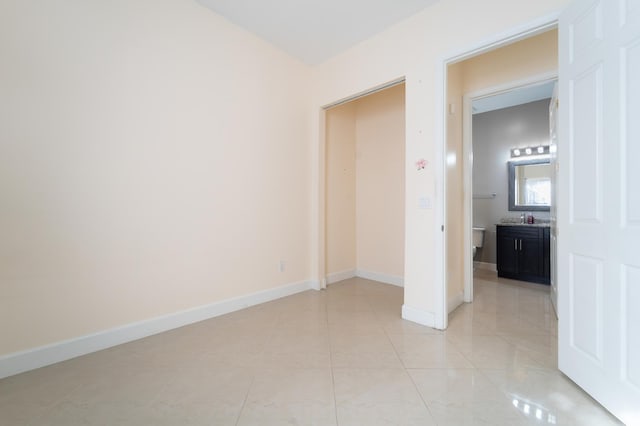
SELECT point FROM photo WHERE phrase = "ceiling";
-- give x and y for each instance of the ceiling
(513, 97)
(315, 30)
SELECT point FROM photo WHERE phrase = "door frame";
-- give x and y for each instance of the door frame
(467, 161)
(528, 29)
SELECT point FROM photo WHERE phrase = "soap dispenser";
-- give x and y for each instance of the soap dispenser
(522, 217)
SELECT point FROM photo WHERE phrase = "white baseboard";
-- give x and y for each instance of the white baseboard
(315, 284)
(454, 302)
(418, 316)
(383, 278)
(60, 351)
(340, 276)
(369, 275)
(485, 265)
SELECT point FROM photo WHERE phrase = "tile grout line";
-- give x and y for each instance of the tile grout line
(253, 378)
(406, 372)
(386, 333)
(333, 379)
(415, 385)
(244, 402)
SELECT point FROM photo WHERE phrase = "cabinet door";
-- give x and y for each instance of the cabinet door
(507, 255)
(530, 256)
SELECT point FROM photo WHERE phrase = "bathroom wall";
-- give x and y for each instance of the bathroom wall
(494, 134)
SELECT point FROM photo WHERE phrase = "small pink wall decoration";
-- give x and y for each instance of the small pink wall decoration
(421, 164)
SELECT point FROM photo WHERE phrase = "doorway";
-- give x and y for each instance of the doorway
(497, 71)
(498, 120)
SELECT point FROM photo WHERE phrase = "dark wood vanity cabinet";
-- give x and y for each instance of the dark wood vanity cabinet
(523, 253)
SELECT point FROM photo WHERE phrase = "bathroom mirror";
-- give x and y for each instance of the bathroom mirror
(530, 185)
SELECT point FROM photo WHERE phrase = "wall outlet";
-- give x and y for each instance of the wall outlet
(281, 266)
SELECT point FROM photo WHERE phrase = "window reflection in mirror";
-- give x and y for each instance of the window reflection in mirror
(530, 185)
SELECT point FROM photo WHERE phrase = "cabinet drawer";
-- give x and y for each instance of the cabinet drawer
(519, 231)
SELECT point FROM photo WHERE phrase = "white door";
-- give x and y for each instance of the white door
(553, 213)
(599, 204)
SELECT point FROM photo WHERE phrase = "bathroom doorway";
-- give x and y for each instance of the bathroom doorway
(528, 62)
(498, 122)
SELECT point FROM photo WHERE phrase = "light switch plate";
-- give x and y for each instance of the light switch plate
(424, 203)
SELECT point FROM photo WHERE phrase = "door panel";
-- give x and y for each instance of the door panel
(631, 326)
(631, 151)
(586, 298)
(585, 31)
(586, 146)
(629, 8)
(598, 219)
(629, 231)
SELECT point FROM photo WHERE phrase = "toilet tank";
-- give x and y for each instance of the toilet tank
(478, 236)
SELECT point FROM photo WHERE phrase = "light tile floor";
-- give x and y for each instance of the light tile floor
(342, 356)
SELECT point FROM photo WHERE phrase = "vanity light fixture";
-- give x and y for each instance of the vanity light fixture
(530, 151)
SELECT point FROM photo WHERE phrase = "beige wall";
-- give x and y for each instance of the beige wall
(153, 158)
(530, 57)
(414, 49)
(380, 126)
(341, 188)
(365, 185)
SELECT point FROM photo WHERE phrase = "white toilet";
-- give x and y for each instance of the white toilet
(478, 239)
